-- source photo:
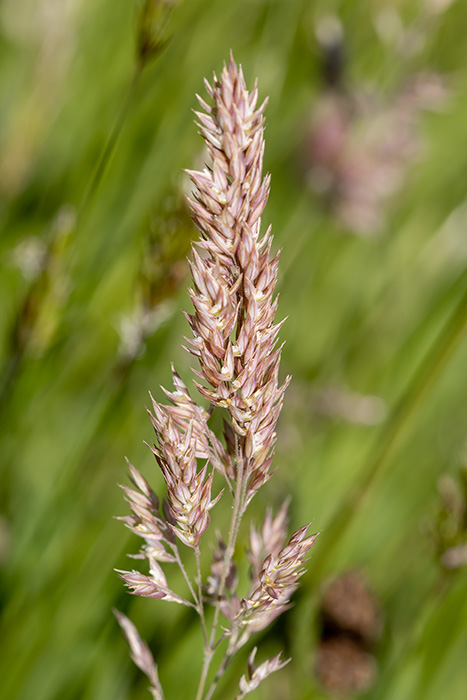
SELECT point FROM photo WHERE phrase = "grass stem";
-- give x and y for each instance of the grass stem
(396, 427)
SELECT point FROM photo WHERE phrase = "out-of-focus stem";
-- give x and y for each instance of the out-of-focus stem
(422, 381)
(14, 361)
(112, 141)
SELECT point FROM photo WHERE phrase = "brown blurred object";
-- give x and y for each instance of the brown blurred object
(349, 605)
(344, 668)
(351, 623)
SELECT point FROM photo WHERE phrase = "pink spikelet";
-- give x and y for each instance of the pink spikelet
(234, 275)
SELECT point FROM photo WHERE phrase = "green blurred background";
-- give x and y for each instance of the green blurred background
(365, 142)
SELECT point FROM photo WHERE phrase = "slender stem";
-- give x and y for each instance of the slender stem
(243, 500)
(222, 669)
(208, 654)
(229, 484)
(236, 515)
(185, 575)
(222, 637)
(233, 531)
(232, 649)
(200, 597)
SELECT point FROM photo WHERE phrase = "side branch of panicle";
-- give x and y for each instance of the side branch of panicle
(183, 437)
(273, 585)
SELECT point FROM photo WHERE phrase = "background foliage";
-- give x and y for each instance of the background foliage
(93, 276)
